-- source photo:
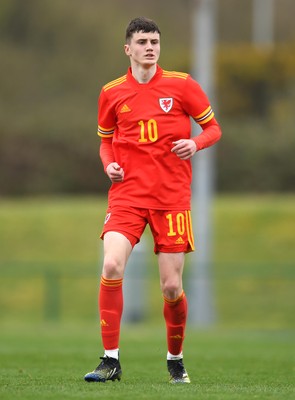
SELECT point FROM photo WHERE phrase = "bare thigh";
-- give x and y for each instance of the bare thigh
(117, 250)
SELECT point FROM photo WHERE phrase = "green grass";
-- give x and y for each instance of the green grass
(50, 362)
(50, 251)
(254, 229)
(49, 267)
(247, 229)
(50, 230)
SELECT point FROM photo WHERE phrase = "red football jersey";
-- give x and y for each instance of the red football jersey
(142, 121)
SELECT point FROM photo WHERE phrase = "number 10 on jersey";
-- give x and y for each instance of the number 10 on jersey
(148, 131)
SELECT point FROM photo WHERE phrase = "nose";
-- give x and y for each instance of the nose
(149, 46)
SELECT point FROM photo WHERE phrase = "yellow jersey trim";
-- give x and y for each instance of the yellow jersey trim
(115, 83)
(205, 116)
(105, 132)
(174, 74)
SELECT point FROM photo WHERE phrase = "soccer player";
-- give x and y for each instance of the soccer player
(146, 149)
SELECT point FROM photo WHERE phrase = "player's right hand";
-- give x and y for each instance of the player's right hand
(115, 172)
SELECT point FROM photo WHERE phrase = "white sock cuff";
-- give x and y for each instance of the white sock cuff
(112, 353)
(174, 357)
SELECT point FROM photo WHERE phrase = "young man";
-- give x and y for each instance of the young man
(146, 147)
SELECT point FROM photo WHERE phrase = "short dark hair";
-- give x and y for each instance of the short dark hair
(141, 24)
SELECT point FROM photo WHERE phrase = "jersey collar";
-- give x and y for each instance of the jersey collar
(152, 82)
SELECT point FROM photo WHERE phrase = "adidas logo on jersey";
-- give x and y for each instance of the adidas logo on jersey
(179, 240)
(125, 109)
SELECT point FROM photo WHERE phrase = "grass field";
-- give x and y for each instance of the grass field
(50, 362)
(49, 262)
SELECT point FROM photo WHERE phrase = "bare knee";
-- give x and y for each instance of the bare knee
(171, 268)
(112, 268)
(171, 288)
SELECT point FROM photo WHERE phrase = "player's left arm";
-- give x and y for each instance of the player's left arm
(196, 104)
(186, 148)
(211, 133)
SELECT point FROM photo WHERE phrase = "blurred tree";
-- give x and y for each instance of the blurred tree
(57, 54)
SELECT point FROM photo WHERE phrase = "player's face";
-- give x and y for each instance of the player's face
(144, 48)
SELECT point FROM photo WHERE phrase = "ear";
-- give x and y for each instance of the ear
(127, 50)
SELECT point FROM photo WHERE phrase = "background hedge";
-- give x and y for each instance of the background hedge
(54, 60)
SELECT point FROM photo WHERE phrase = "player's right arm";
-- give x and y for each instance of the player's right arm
(111, 167)
(106, 127)
(115, 172)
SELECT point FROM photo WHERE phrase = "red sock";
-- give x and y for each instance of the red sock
(175, 314)
(110, 309)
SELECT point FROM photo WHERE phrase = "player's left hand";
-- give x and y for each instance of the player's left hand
(184, 148)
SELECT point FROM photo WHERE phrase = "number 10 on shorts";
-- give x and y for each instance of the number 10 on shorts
(176, 224)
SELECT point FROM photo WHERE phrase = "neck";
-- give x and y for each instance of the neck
(143, 74)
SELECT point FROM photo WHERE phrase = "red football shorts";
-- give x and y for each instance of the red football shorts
(171, 230)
